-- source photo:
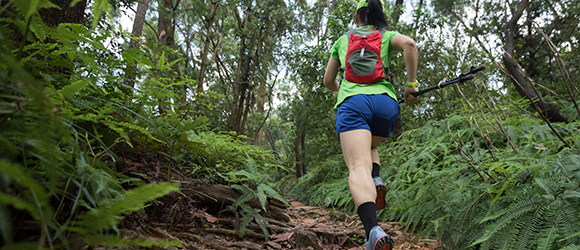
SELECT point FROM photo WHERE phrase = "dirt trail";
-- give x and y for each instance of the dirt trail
(196, 222)
(310, 227)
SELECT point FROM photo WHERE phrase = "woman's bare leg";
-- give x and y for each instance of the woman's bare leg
(356, 148)
(376, 140)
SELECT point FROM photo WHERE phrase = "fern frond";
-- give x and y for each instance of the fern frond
(514, 211)
(108, 213)
(248, 213)
(572, 247)
(133, 127)
(532, 225)
(36, 198)
(262, 195)
(506, 238)
(262, 223)
(271, 192)
(548, 236)
(241, 188)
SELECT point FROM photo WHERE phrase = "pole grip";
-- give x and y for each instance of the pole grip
(461, 78)
(480, 68)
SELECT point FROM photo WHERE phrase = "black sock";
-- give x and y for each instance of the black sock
(368, 216)
(376, 170)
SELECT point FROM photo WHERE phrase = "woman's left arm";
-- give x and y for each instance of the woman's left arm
(330, 74)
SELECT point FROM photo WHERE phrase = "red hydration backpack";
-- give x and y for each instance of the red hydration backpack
(364, 64)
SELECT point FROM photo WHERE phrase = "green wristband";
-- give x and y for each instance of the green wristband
(412, 84)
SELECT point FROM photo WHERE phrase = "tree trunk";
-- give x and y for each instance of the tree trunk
(166, 31)
(53, 17)
(519, 80)
(297, 162)
(142, 7)
(165, 26)
(66, 14)
(272, 143)
(251, 75)
(217, 197)
(260, 103)
(302, 147)
(421, 3)
(205, 51)
(398, 11)
(239, 84)
(249, 103)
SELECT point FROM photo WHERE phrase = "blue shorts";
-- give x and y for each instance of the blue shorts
(376, 113)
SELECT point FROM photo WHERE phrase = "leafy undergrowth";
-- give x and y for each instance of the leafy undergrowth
(180, 220)
(474, 184)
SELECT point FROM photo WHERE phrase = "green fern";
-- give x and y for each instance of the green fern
(248, 213)
(108, 213)
(264, 189)
(572, 247)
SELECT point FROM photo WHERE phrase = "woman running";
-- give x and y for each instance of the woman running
(367, 110)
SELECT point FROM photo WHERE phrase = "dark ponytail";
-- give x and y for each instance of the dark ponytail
(373, 14)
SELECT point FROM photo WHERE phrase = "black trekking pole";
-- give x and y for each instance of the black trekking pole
(462, 78)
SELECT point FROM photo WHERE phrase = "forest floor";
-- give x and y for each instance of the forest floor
(198, 222)
(310, 227)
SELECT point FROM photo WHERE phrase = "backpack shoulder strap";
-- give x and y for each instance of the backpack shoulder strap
(349, 33)
(389, 75)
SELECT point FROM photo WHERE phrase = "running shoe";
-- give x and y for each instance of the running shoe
(379, 240)
(381, 193)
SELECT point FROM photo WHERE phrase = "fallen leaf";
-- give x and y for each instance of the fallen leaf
(282, 237)
(296, 204)
(207, 216)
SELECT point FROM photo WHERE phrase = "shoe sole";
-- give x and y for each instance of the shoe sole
(385, 243)
(381, 193)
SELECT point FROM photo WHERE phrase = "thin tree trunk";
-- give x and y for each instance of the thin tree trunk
(205, 51)
(249, 102)
(245, 82)
(142, 7)
(297, 162)
(66, 14)
(166, 33)
(416, 24)
(521, 84)
(261, 101)
(272, 143)
(302, 147)
(251, 75)
(398, 11)
(239, 88)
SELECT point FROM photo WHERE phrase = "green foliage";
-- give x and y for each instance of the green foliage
(471, 172)
(108, 213)
(248, 213)
(475, 179)
(233, 160)
(66, 114)
(325, 186)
